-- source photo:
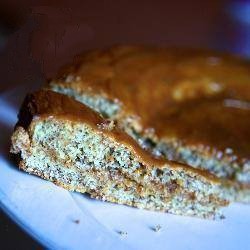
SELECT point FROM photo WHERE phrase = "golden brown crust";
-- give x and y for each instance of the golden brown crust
(48, 104)
(199, 98)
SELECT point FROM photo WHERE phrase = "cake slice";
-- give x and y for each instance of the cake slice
(190, 106)
(62, 140)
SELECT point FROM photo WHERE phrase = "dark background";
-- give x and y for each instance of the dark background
(36, 40)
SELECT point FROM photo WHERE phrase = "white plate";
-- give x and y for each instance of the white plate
(63, 220)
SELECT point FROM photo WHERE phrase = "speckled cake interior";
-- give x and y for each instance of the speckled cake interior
(82, 152)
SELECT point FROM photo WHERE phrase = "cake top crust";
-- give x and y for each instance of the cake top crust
(197, 97)
(43, 105)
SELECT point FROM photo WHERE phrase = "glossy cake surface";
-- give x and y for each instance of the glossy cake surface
(187, 105)
(196, 97)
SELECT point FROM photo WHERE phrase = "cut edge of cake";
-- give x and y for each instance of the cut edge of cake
(63, 141)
